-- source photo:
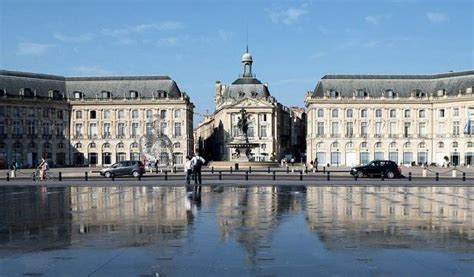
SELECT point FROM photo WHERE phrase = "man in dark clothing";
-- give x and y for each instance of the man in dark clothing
(197, 162)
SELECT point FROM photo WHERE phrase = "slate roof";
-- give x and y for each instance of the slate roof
(403, 85)
(13, 81)
(246, 87)
(91, 87)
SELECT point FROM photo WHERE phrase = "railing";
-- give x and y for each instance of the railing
(17, 136)
(46, 136)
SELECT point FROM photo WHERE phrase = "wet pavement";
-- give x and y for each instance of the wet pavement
(236, 231)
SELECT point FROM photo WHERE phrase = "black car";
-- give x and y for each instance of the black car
(134, 168)
(388, 168)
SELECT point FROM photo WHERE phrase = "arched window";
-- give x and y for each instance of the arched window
(455, 144)
(349, 113)
(390, 93)
(363, 113)
(92, 145)
(393, 145)
(106, 145)
(120, 145)
(378, 145)
(470, 144)
(440, 144)
(134, 145)
(335, 145)
(320, 145)
(334, 113)
(363, 145)
(393, 113)
(422, 145)
(78, 145)
(133, 94)
(406, 145)
(349, 145)
(320, 113)
(378, 113)
(47, 145)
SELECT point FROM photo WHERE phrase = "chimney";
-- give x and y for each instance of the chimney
(218, 88)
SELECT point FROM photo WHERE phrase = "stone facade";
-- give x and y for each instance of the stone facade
(419, 119)
(92, 120)
(271, 124)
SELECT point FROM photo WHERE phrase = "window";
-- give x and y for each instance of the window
(60, 130)
(163, 114)
(135, 130)
(177, 129)
(164, 128)
(335, 129)
(177, 113)
(60, 145)
(320, 113)
(349, 129)
(121, 130)
(378, 129)
(31, 128)
(422, 129)
(134, 145)
(105, 94)
(363, 113)
(134, 114)
(422, 145)
(421, 113)
(93, 130)
(378, 145)
(393, 145)
(78, 145)
(406, 129)
(106, 130)
(406, 145)
(106, 145)
(363, 129)
(45, 112)
(440, 144)
(349, 113)
(120, 145)
(390, 93)
(320, 129)
(149, 114)
(78, 130)
(407, 113)
(333, 94)
(393, 113)
(133, 94)
(263, 117)
(441, 129)
(149, 129)
(263, 131)
(121, 114)
(456, 128)
(77, 95)
(92, 145)
(378, 113)
(441, 112)
(361, 93)
(93, 114)
(177, 145)
(46, 128)
(470, 144)
(334, 113)
(455, 144)
(106, 114)
(455, 111)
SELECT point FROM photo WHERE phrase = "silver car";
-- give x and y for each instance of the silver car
(134, 168)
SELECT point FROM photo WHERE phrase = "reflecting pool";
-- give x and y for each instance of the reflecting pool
(236, 231)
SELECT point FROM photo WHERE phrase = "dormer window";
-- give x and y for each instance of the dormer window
(333, 94)
(54, 94)
(254, 94)
(390, 93)
(360, 93)
(162, 94)
(133, 94)
(105, 94)
(419, 94)
(241, 94)
(441, 92)
(26, 92)
(78, 95)
(3, 92)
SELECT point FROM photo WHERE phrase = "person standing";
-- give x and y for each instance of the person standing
(316, 164)
(43, 167)
(197, 162)
(156, 166)
(188, 169)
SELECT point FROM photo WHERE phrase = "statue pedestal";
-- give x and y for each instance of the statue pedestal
(242, 151)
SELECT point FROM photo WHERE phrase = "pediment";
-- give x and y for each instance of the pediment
(251, 103)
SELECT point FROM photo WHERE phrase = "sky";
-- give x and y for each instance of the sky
(293, 43)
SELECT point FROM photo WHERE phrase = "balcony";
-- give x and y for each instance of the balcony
(320, 135)
(378, 136)
(407, 136)
(441, 135)
(350, 135)
(94, 136)
(120, 136)
(335, 135)
(107, 136)
(32, 136)
(393, 136)
(47, 136)
(78, 136)
(17, 136)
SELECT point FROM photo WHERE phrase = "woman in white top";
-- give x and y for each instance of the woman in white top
(188, 169)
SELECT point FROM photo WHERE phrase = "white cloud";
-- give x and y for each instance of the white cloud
(76, 38)
(33, 49)
(286, 16)
(224, 35)
(93, 70)
(317, 55)
(376, 19)
(168, 41)
(436, 17)
(141, 28)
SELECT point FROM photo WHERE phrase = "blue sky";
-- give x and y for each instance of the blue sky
(294, 43)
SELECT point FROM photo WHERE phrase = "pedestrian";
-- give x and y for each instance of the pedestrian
(292, 161)
(316, 164)
(188, 169)
(156, 166)
(197, 162)
(43, 167)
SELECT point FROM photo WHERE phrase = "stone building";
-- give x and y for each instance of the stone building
(410, 119)
(92, 120)
(270, 122)
(34, 119)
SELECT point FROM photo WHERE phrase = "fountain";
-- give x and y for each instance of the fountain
(242, 148)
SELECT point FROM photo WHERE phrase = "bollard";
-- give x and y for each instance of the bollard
(437, 176)
(166, 175)
(464, 176)
(212, 170)
(236, 167)
(287, 169)
(246, 175)
(409, 176)
(454, 173)
(274, 175)
(324, 169)
(220, 175)
(329, 177)
(8, 177)
(86, 176)
(355, 177)
(301, 175)
(174, 169)
(60, 176)
(268, 169)
(139, 177)
(382, 176)
(250, 169)
(113, 177)
(306, 169)
(231, 170)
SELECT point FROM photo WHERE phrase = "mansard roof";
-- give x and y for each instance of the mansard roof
(40, 84)
(402, 85)
(246, 87)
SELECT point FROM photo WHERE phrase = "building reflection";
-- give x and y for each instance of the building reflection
(131, 215)
(398, 217)
(250, 215)
(35, 217)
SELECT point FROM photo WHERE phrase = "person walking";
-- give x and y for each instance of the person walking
(197, 162)
(188, 169)
(43, 168)
(156, 166)
(316, 164)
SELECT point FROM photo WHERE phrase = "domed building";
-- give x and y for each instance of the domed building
(273, 126)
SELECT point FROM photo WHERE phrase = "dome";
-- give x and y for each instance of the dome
(246, 58)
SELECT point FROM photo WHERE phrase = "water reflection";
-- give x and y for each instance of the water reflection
(260, 225)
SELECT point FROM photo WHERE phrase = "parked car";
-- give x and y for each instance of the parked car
(388, 168)
(134, 168)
